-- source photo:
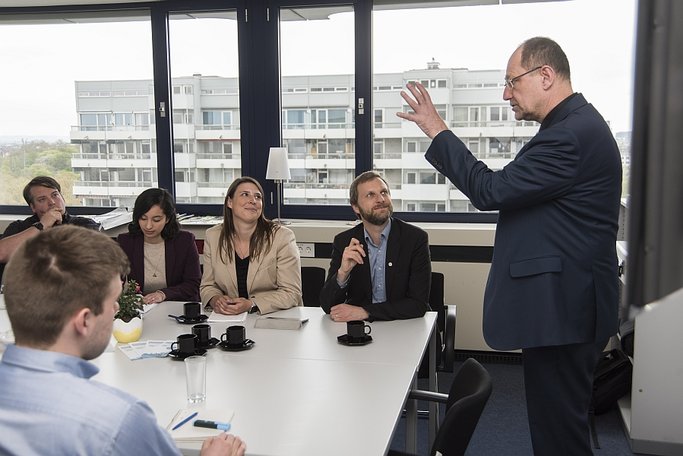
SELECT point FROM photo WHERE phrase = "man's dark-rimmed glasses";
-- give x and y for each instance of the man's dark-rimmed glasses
(510, 83)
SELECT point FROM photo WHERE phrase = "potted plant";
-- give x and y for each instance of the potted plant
(127, 321)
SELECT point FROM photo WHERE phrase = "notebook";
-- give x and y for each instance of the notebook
(215, 317)
(188, 432)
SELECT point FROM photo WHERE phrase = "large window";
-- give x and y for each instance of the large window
(317, 80)
(204, 71)
(464, 72)
(76, 106)
(323, 80)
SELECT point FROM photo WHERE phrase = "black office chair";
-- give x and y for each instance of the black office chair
(470, 391)
(446, 319)
(312, 281)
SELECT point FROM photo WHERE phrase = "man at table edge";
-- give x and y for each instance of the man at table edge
(50, 405)
(381, 268)
(43, 195)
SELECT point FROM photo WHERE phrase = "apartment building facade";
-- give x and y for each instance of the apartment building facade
(117, 151)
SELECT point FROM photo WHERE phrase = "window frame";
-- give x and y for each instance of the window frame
(260, 98)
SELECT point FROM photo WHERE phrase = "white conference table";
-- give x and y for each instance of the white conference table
(296, 392)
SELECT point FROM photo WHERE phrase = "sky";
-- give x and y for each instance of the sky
(38, 96)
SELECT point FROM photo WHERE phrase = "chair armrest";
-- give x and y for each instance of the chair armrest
(431, 396)
(449, 339)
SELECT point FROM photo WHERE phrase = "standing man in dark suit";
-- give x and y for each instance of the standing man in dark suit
(552, 288)
(380, 269)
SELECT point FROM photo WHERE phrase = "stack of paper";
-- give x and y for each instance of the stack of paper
(280, 322)
(215, 317)
(189, 432)
(203, 220)
(113, 218)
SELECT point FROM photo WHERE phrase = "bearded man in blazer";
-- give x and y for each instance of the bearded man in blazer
(552, 288)
(380, 269)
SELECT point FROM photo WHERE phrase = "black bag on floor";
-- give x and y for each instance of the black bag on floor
(612, 380)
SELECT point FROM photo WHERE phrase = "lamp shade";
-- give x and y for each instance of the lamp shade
(278, 164)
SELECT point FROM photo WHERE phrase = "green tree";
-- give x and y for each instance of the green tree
(19, 163)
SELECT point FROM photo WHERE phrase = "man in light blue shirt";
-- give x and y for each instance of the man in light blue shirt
(61, 291)
(377, 253)
(381, 268)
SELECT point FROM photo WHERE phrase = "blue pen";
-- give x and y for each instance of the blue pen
(212, 424)
(184, 421)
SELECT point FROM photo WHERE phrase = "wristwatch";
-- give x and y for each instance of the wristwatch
(39, 226)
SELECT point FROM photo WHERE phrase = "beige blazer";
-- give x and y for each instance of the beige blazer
(273, 280)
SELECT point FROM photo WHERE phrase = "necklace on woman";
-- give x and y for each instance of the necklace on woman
(158, 259)
(158, 263)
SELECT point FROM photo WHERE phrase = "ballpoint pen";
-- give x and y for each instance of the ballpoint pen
(212, 424)
(184, 421)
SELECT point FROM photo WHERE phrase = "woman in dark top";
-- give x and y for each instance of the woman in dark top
(164, 260)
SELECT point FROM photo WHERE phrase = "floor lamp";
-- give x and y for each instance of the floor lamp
(278, 170)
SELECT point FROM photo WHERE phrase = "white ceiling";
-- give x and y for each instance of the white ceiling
(378, 3)
(12, 3)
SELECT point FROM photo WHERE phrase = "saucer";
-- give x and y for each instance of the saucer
(212, 343)
(178, 356)
(344, 339)
(246, 345)
(189, 321)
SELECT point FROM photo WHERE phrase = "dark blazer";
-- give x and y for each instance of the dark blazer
(553, 278)
(182, 264)
(408, 274)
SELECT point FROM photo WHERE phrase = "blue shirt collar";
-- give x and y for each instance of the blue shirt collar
(382, 236)
(48, 361)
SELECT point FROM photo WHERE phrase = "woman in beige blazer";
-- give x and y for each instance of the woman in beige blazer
(250, 262)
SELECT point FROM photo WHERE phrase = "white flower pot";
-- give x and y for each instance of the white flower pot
(127, 332)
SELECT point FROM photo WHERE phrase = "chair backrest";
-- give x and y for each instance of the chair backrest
(312, 281)
(436, 298)
(470, 390)
(436, 303)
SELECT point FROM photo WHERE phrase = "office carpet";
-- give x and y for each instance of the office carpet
(503, 427)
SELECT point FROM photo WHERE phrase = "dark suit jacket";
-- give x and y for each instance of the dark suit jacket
(408, 274)
(182, 264)
(553, 278)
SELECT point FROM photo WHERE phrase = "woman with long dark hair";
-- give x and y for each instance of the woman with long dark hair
(164, 259)
(250, 262)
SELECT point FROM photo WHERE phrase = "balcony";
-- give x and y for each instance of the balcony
(112, 189)
(80, 161)
(300, 190)
(217, 132)
(81, 133)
